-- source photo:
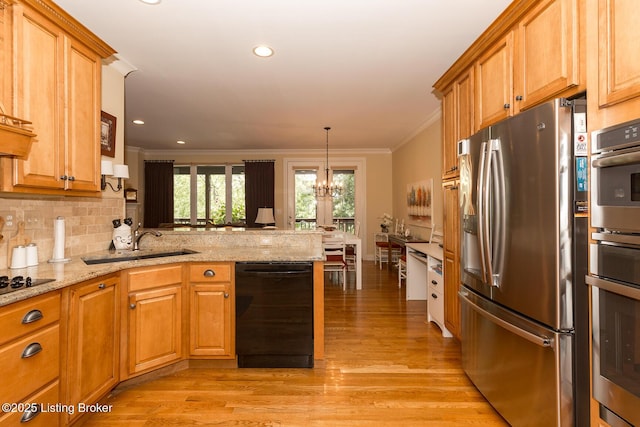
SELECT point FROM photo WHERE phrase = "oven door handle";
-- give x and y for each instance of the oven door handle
(616, 288)
(626, 158)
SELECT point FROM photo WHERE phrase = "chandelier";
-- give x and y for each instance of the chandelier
(326, 188)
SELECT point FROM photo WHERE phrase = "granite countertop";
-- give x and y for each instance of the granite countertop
(266, 247)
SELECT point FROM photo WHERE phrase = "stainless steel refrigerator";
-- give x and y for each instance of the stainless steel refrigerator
(524, 304)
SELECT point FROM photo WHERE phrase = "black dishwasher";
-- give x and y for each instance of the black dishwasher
(274, 314)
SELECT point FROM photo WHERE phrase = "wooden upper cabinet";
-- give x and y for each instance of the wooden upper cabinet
(614, 71)
(56, 84)
(494, 83)
(464, 100)
(618, 42)
(449, 133)
(457, 120)
(547, 53)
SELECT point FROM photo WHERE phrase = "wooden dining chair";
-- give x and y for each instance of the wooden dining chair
(335, 258)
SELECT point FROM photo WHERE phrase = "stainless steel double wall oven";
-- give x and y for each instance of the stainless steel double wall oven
(615, 272)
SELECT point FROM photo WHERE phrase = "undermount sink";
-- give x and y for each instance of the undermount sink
(133, 256)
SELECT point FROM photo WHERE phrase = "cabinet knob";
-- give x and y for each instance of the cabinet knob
(209, 273)
(31, 350)
(132, 306)
(64, 177)
(506, 106)
(32, 316)
(434, 296)
(226, 294)
(519, 98)
(102, 286)
(72, 178)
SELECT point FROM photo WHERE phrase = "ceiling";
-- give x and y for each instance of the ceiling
(364, 67)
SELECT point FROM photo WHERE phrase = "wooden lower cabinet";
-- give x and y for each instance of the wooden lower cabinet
(45, 411)
(154, 318)
(451, 257)
(30, 360)
(211, 308)
(93, 341)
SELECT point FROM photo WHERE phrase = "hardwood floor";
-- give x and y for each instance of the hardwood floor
(384, 366)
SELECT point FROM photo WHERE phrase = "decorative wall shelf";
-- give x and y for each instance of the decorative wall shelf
(15, 137)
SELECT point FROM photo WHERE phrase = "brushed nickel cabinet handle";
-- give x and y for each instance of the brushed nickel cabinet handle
(32, 316)
(226, 294)
(132, 306)
(31, 350)
(209, 273)
(102, 286)
(31, 413)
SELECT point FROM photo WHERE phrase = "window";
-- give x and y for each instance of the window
(218, 197)
(303, 210)
(305, 205)
(344, 206)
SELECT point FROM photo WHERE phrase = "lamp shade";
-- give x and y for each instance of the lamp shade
(106, 167)
(265, 216)
(121, 171)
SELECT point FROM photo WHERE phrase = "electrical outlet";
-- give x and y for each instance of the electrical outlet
(33, 220)
(9, 220)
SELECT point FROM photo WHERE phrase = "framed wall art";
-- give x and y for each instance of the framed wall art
(420, 202)
(107, 135)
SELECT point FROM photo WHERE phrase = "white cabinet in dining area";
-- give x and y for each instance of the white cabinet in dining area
(425, 282)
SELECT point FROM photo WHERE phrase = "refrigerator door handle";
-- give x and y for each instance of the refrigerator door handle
(499, 220)
(541, 341)
(484, 177)
(482, 211)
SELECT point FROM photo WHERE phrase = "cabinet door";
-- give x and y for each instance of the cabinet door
(465, 106)
(40, 98)
(451, 261)
(93, 340)
(155, 328)
(449, 133)
(211, 320)
(548, 54)
(618, 34)
(494, 83)
(82, 148)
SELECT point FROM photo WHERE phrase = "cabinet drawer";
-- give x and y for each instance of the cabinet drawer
(45, 401)
(210, 272)
(24, 317)
(24, 373)
(435, 282)
(436, 307)
(155, 277)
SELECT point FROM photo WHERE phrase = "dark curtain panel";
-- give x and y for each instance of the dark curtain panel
(259, 182)
(158, 193)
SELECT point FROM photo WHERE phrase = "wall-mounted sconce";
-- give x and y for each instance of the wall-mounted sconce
(116, 171)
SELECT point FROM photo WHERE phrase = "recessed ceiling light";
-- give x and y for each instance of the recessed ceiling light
(263, 51)
(151, 1)
(180, 142)
(138, 122)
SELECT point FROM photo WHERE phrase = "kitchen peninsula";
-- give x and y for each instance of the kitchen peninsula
(95, 326)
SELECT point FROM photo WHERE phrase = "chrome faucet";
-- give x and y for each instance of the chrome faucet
(137, 235)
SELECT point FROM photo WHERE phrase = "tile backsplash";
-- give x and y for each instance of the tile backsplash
(88, 226)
